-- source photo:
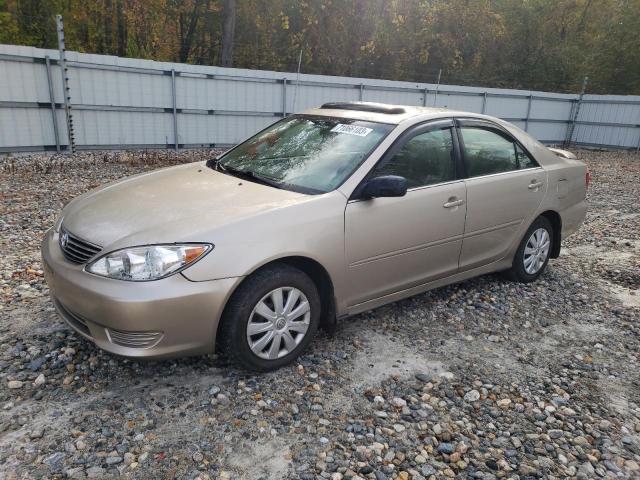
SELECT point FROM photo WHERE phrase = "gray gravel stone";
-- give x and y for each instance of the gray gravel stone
(54, 459)
(472, 396)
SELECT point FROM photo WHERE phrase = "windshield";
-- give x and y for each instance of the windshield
(304, 153)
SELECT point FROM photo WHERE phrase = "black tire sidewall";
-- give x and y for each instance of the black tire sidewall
(243, 301)
(517, 270)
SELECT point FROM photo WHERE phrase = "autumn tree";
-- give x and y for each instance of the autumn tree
(533, 44)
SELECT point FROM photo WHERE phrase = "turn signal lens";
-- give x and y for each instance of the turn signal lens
(192, 253)
(152, 262)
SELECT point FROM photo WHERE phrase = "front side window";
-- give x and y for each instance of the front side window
(487, 152)
(304, 153)
(425, 159)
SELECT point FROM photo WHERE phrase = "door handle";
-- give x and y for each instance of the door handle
(453, 203)
(535, 184)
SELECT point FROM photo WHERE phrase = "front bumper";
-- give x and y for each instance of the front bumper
(158, 319)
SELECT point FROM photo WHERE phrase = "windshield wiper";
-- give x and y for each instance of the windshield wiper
(215, 164)
(247, 175)
(212, 163)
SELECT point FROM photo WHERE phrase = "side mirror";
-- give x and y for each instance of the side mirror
(385, 186)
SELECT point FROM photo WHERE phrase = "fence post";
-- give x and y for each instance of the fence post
(66, 93)
(638, 126)
(435, 95)
(295, 90)
(526, 121)
(424, 99)
(361, 92)
(284, 97)
(574, 117)
(484, 102)
(52, 98)
(175, 109)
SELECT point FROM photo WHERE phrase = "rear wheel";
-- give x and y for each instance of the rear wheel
(271, 318)
(533, 253)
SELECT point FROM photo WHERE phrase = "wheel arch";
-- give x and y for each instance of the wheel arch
(318, 274)
(556, 222)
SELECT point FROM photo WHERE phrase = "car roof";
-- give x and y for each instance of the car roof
(375, 112)
(411, 115)
(386, 112)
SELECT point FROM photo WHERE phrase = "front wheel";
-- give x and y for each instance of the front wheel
(271, 318)
(533, 253)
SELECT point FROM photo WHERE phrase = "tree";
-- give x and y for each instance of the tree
(9, 28)
(532, 44)
(228, 33)
(188, 15)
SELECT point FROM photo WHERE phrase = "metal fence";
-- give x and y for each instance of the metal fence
(117, 103)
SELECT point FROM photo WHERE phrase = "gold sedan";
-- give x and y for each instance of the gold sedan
(320, 216)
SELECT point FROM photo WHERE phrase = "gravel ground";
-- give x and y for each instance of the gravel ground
(483, 379)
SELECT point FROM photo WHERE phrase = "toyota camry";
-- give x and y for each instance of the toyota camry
(320, 216)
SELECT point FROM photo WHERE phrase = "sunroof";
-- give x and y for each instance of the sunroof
(364, 107)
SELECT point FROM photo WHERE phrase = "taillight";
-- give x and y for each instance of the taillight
(587, 178)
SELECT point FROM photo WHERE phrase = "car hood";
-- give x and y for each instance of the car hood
(176, 204)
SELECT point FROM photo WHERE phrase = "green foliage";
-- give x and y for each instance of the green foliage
(528, 44)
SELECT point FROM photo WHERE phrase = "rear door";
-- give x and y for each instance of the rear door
(504, 185)
(397, 243)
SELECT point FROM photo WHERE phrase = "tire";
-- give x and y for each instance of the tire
(526, 269)
(259, 294)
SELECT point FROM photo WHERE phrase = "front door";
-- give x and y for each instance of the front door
(396, 243)
(504, 189)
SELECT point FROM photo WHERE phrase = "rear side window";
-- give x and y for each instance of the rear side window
(524, 160)
(487, 152)
(425, 159)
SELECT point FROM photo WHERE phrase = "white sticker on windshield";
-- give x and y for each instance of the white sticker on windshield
(352, 130)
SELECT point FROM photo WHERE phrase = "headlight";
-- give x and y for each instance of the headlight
(152, 262)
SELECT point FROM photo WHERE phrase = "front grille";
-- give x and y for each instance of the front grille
(133, 339)
(75, 249)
